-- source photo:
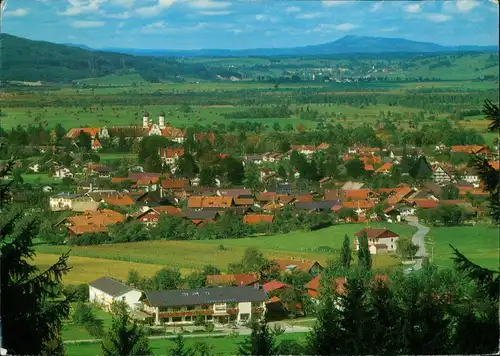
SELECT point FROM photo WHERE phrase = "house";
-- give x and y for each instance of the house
(237, 280)
(63, 201)
(200, 202)
(361, 194)
(220, 304)
(104, 291)
(353, 185)
(272, 157)
(323, 205)
(284, 188)
(470, 149)
(118, 200)
(384, 169)
(175, 185)
(306, 150)
(266, 173)
(252, 219)
(313, 286)
(253, 159)
(96, 145)
(170, 156)
(62, 172)
(201, 217)
(76, 131)
(360, 206)
(147, 184)
(235, 193)
(471, 175)
(151, 216)
(441, 175)
(323, 146)
(275, 285)
(155, 198)
(173, 134)
(91, 221)
(243, 202)
(379, 240)
(311, 267)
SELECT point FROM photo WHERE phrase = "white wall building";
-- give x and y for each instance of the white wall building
(104, 291)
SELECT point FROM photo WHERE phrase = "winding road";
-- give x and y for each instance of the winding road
(419, 239)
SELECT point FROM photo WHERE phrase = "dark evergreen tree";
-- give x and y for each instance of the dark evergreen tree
(32, 310)
(345, 253)
(326, 337)
(421, 170)
(260, 342)
(179, 348)
(364, 257)
(124, 338)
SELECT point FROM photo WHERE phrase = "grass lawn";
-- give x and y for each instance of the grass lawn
(84, 269)
(147, 257)
(220, 345)
(39, 178)
(72, 331)
(479, 243)
(113, 156)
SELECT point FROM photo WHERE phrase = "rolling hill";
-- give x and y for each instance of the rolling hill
(31, 61)
(344, 45)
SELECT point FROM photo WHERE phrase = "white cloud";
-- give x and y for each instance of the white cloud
(413, 8)
(263, 17)
(124, 3)
(389, 29)
(333, 28)
(16, 13)
(162, 27)
(465, 5)
(236, 31)
(331, 3)
(208, 4)
(88, 24)
(77, 7)
(120, 16)
(437, 17)
(292, 9)
(346, 27)
(215, 13)
(310, 15)
(376, 6)
(151, 11)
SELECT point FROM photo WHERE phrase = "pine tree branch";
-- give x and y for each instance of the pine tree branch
(492, 112)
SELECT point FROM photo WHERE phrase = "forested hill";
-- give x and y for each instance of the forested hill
(27, 60)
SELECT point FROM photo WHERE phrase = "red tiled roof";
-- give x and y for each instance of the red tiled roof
(425, 203)
(273, 285)
(372, 233)
(175, 183)
(494, 165)
(251, 219)
(209, 202)
(359, 204)
(75, 132)
(119, 200)
(472, 149)
(171, 152)
(244, 279)
(172, 132)
(299, 148)
(243, 201)
(359, 194)
(386, 167)
(200, 136)
(300, 264)
(305, 198)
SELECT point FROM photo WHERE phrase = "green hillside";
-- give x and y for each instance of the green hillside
(31, 61)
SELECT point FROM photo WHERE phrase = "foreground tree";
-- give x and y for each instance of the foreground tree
(260, 342)
(179, 349)
(32, 310)
(364, 257)
(124, 338)
(345, 253)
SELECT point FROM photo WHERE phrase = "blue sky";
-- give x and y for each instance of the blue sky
(237, 24)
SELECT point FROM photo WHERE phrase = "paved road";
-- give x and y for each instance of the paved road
(419, 239)
(288, 330)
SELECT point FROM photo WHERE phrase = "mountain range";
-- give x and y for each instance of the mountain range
(345, 45)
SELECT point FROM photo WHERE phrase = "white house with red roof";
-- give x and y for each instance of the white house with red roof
(380, 240)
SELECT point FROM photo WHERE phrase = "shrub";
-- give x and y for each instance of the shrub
(79, 292)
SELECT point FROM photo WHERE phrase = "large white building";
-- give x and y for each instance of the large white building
(105, 290)
(379, 240)
(217, 304)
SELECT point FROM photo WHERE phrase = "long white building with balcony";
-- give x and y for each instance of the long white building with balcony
(217, 304)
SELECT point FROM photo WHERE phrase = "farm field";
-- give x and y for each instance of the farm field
(223, 346)
(84, 269)
(147, 257)
(479, 243)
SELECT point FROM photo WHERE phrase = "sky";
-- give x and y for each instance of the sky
(240, 24)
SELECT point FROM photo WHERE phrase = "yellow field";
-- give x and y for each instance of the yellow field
(85, 269)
